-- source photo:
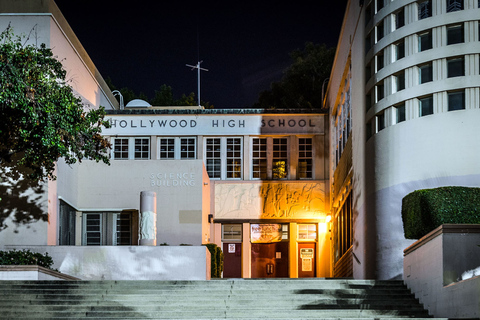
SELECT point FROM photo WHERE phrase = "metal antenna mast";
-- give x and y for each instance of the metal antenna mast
(198, 76)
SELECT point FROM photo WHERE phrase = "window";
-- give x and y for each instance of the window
(131, 148)
(456, 100)
(368, 42)
(280, 158)
(223, 157)
(380, 31)
(454, 5)
(231, 232)
(120, 147)
(234, 158)
(177, 148)
(399, 19)
(426, 106)
(424, 9)
(305, 158)
(66, 230)
(399, 83)
(455, 67)
(123, 229)
(368, 72)
(425, 41)
(368, 128)
(380, 121)
(259, 158)
(368, 13)
(399, 50)
(108, 228)
(213, 158)
(400, 112)
(425, 73)
(455, 34)
(92, 229)
(379, 4)
(307, 232)
(380, 91)
(379, 61)
(142, 148)
(343, 229)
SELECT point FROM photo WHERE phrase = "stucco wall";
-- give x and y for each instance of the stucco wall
(433, 264)
(128, 262)
(179, 186)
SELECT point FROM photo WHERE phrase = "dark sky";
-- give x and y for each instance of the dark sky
(245, 45)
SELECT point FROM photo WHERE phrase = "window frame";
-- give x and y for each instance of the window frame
(421, 37)
(428, 12)
(219, 157)
(421, 69)
(453, 94)
(130, 148)
(422, 108)
(108, 227)
(308, 158)
(177, 148)
(452, 34)
(452, 62)
(454, 5)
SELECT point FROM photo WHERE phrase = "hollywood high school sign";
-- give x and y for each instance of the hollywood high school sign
(213, 124)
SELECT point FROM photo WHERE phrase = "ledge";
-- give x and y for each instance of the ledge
(35, 268)
(444, 228)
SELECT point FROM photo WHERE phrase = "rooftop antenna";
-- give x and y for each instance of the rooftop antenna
(198, 76)
(198, 66)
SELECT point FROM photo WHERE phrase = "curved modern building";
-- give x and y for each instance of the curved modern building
(404, 100)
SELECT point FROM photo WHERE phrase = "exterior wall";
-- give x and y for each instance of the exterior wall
(179, 186)
(128, 262)
(52, 29)
(433, 267)
(391, 156)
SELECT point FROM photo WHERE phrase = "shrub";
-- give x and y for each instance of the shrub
(424, 210)
(216, 256)
(26, 257)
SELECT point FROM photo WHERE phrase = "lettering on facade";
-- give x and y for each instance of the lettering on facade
(172, 179)
(219, 123)
(182, 123)
(291, 123)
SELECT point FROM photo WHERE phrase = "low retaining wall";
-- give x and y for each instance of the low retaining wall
(128, 262)
(433, 268)
(26, 272)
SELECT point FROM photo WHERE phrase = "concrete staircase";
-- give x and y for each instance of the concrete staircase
(215, 299)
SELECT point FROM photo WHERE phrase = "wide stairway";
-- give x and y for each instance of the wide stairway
(215, 299)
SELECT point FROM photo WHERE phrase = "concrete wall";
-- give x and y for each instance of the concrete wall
(433, 267)
(128, 262)
(179, 186)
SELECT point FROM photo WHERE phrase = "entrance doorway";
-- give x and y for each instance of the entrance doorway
(232, 260)
(306, 260)
(270, 260)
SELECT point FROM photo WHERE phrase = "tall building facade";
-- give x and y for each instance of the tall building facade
(404, 101)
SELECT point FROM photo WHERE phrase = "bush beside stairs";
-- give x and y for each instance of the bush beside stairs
(215, 299)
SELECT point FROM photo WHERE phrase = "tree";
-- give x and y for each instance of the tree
(301, 84)
(41, 118)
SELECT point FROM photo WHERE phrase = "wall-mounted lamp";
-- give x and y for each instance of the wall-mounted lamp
(328, 218)
(205, 183)
(210, 218)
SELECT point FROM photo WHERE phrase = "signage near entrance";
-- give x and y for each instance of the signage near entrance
(265, 233)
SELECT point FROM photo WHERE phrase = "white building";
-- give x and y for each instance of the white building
(404, 105)
(254, 182)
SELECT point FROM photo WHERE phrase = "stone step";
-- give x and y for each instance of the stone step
(228, 314)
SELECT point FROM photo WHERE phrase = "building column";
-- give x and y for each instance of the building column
(147, 235)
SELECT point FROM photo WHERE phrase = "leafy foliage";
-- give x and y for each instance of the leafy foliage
(216, 256)
(424, 210)
(301, 85)
(41, 118)
(25, 257)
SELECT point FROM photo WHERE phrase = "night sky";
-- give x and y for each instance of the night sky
(245, 45)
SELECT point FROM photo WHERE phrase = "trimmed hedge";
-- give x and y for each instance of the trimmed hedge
(424, 210)
(26, 257)
(216, 256)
